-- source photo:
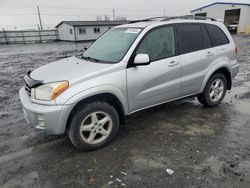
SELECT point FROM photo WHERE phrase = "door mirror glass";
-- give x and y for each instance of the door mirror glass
(142, 59)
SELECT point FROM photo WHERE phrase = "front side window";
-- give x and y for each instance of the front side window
(112, 46)
(158, 44)
(189, 38)
(217, 35)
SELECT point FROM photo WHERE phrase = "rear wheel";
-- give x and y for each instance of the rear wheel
(94, 126)
(214, 91)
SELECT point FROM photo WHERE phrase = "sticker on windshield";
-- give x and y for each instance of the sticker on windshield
(133, 30)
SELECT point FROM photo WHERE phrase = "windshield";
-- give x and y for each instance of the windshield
(112, 46)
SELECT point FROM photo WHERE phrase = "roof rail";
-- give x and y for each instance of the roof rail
(192, 17)
(149, 19)
(165, 18)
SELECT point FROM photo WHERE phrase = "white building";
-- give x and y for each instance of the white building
(84, 30)
(228, 12)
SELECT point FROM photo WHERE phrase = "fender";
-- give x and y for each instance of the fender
(212, 70)
(111, 89)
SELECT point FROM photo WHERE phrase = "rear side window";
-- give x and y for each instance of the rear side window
(189, 38)
(158, 44)
(206, 40)
(217, 35)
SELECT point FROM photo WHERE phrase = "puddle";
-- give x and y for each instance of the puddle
(196, 129)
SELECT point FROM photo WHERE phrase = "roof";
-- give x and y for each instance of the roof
(152, 22)
(221, 3)
(93, 23)
(136, 25)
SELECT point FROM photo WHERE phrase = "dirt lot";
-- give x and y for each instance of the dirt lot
(205, 147)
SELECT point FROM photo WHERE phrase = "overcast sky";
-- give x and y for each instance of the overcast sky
(20, 14)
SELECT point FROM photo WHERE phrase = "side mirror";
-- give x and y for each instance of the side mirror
(141, 59)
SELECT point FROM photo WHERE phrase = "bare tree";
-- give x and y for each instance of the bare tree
(106, 18)
(121, 18)
(98, 18)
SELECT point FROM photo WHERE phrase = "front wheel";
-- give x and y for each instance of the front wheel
(93, 126)
(214, 91)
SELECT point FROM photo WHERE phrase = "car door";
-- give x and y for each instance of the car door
(159, 81)
(196, 54)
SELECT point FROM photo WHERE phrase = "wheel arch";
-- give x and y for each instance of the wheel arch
(109, 98)
(223, 70)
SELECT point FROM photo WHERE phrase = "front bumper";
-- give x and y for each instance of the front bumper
(54, 117)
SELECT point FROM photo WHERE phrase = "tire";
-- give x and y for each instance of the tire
(93, 126)
(214, 91)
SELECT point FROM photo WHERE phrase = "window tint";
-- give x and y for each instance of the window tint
(217, 35)
(189, 38)
(158, 44)
(206, 40)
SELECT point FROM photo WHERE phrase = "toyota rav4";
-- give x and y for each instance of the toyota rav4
(130, 68)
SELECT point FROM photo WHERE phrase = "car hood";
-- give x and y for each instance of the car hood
(69, 69)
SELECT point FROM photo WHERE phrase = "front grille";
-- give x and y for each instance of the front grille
(28, 89)
(30, 83)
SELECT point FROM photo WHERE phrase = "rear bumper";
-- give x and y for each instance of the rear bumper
(235, 69)
(53, 118)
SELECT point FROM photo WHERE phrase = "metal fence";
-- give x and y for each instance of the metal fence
(22, 37)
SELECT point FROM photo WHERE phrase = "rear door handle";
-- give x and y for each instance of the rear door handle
(209, 54)
(173, 63)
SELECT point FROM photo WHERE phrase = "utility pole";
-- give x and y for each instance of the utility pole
(164, 12)
(40, 20)
(114, 17)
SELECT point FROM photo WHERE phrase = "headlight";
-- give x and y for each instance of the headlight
(50, 91)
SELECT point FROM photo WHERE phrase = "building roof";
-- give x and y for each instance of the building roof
(93, 23)
(221, 3)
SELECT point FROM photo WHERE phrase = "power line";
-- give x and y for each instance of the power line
(74, 8)
(28, 14)
(17, 14)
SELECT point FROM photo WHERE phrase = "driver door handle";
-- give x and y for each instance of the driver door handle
(209, 54)
(173, 63)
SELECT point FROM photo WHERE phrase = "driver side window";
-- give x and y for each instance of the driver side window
(158, 44)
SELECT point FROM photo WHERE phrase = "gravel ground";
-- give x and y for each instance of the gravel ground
(205, 147)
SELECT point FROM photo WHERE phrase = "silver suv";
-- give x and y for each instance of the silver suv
(130, 68)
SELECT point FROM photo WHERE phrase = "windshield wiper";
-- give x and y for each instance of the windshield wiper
(90, 59)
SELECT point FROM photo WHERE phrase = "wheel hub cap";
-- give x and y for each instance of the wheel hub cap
(96, 127)
(216, 90)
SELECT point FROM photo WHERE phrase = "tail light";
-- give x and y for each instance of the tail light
(236, 50)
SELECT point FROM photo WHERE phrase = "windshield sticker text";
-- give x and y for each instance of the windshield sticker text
(132, 30)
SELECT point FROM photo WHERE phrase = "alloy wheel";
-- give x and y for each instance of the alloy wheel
(96, 127)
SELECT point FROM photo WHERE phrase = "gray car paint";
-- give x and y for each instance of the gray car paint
(137, 88)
